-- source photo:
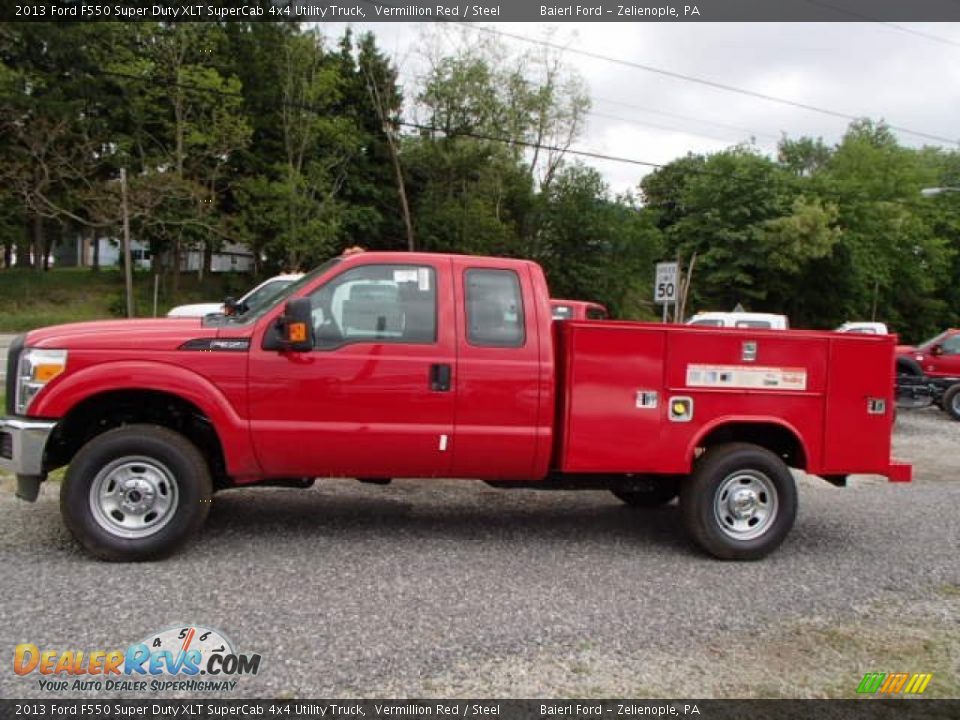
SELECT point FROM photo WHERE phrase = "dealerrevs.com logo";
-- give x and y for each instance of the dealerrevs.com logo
(185, 658)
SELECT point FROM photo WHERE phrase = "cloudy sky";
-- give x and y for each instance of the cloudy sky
(906, 74)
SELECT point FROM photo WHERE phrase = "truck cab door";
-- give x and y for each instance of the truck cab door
(374, 397)
(945, 362)
(499, 417)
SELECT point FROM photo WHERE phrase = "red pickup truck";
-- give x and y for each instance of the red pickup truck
(404, 365)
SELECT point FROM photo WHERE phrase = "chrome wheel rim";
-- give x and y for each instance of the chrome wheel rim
(134, 497)
(745, 504)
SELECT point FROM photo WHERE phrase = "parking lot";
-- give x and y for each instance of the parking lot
(456, 589)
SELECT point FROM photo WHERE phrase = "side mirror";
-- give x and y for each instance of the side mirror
(232, 306)
(936, 351)
(294, 329)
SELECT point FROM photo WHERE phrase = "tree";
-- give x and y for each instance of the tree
(184, 120)
(593, 247)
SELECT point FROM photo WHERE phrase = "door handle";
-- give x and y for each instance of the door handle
(440, 377)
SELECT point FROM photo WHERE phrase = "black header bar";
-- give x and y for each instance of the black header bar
(484, 10)
(863, 709)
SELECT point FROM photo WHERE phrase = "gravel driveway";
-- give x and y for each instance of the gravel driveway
(453, 588)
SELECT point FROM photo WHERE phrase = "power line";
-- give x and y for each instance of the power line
(724, 126)
(639, 123)
(418, 126)
(654, 126)
(460, 133)
(891, 25)
(525, 143)
(702, 81)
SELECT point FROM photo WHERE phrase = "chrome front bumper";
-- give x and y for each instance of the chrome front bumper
(22, 441)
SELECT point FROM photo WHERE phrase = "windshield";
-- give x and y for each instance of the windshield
(266, 292)
(255, 312)
(933, 340)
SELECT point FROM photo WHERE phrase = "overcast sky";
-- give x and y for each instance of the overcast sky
(908, 75)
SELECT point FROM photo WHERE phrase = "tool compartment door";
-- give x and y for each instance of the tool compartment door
(609, 426)
(857, 437)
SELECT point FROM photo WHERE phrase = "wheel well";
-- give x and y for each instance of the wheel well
(776, 438)
(109, 410)
(908, 366)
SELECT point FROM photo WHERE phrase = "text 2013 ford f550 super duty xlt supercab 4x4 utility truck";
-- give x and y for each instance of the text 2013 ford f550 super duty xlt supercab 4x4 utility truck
(408, 365)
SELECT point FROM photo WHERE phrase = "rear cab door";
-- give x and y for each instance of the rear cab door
(505, 374)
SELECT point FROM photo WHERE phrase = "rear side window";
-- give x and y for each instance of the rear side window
(596, 314)
(494, 308)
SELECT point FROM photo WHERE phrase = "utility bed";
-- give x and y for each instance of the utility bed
(643, 398)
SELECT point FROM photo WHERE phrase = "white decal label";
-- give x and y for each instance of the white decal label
(746, 376)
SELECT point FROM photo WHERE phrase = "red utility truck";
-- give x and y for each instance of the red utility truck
(407, 365)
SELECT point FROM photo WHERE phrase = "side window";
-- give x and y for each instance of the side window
(596, 314)
(377, 303)
(494, 308)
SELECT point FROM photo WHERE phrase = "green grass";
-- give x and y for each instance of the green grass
(31, 299)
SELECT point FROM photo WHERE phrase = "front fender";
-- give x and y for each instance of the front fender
(67, 391)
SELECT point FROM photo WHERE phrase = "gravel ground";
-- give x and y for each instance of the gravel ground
(453, 588)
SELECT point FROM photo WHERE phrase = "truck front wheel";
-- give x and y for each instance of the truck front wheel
(740, 502)
(136, 493)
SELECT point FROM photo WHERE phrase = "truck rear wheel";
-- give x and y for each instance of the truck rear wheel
(951, 401)
(651, 493)
(136, 493)
(740, 502)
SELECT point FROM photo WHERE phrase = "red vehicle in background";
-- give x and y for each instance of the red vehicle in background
(577, 310)
(937, 357)
(931, 370)
(413, 365)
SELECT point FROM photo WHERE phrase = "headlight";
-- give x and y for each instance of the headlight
(37, 368)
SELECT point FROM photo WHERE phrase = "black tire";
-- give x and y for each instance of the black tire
(650, 493)
(762, 478)
(951, 401)
(139, 469)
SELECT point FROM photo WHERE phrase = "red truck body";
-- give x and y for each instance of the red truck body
(537, 403)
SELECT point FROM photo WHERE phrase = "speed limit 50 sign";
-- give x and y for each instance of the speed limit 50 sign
(665, 284)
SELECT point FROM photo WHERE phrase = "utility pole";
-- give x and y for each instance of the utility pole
(127, 261)
(394, 156)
